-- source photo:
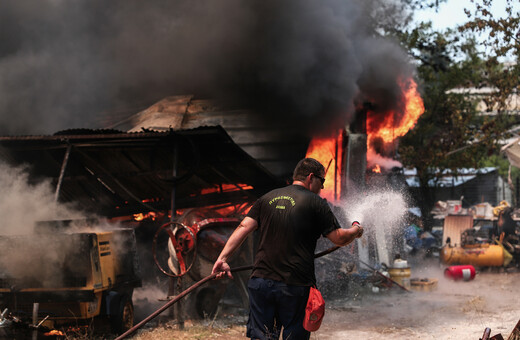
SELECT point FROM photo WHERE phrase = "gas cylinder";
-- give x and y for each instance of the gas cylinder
(465, 272)
(483, 256)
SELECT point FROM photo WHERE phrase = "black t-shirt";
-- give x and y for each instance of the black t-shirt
(290, 221)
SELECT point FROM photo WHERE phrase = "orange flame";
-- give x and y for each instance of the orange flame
(225, 188)
(327, 151)
(150, 215)
(389, 130)
(54, 332)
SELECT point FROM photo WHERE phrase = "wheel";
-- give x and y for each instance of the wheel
(182, 242)
(124, 319)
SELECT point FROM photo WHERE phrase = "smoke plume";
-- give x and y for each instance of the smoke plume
(24, 203)
(68, 64)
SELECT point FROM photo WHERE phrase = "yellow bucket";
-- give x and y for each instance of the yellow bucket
(401, 276)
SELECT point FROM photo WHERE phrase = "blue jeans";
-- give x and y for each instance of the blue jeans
(274, 304)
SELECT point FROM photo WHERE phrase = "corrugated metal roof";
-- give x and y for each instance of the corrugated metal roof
(447, 178)
(277, 144)
(115, 173)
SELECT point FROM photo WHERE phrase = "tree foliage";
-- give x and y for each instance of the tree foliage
(453, 133)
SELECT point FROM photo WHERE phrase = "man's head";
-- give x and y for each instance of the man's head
(311, 173)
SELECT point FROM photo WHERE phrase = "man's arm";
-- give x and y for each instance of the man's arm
(238, 236)
(342, 237)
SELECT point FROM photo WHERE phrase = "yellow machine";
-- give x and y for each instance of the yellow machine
(458, 248)
(69, 278)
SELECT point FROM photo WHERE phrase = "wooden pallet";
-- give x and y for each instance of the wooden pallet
(423, 284)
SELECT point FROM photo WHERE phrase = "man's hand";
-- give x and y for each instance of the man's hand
(221, 268)
(343, 236)
(246, 227)
(360, 229)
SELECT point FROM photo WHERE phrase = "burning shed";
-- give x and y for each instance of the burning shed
(113, 173)
(126, 176)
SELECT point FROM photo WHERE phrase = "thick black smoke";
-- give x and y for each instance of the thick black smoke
(67, 64)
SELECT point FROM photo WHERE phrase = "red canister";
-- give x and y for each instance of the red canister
(465, 272)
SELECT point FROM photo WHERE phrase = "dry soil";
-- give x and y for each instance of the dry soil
(454, 310)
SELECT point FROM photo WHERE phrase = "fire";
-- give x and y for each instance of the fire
(390, 129)
(54, 332)
(327, 150)
(150, 215)
(225, 188)
(385, 128)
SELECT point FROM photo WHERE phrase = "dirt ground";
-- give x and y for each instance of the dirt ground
(454, 310)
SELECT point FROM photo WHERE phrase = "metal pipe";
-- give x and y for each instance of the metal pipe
(36, 307)
(175, 283)
(347, 165)
(62, 172)
(330, 250)
(487, 333)
(336, 169)
(384, 276)
(174, 187)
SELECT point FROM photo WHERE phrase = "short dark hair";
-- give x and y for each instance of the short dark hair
(307, 166)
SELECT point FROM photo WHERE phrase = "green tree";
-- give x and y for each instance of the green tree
(451, 134)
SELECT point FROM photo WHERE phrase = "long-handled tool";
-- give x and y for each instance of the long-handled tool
(386, 277)
(330, 250)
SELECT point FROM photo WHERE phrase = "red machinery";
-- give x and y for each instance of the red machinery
(194, 242)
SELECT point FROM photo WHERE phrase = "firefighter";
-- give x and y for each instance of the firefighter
(289, 220)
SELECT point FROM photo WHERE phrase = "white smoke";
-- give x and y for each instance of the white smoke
(386, 163)
(23, 203)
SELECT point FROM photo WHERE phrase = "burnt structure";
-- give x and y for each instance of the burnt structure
(112, 173)
(118, 175)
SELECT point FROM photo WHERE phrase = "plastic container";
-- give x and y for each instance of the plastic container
(456, 273)
(400, 263)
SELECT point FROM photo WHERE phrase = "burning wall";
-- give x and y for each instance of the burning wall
(380, 208)
(383, 129)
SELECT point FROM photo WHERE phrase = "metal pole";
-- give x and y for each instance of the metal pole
(174, 176)
(517, 192)
(175, 283)
(62, 172)
(336, 170)
(36, 307)
(347, 166)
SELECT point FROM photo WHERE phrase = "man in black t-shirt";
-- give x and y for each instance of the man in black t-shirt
(290, 220)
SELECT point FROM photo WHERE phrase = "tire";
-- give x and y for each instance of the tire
(124, 319)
